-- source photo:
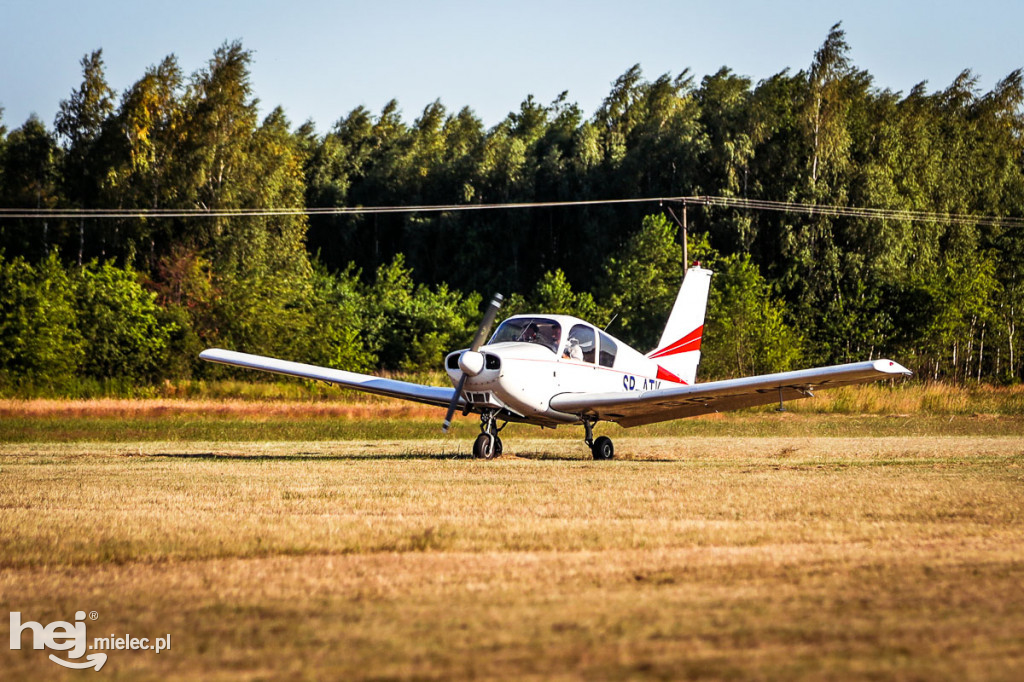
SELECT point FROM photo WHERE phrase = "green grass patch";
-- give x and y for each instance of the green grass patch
(217, 427)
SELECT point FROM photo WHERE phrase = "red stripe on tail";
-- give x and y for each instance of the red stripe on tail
(666, 375)
(684, 345)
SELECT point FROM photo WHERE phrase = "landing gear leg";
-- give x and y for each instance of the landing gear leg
(487, 445)
(601, 448)
(589, 431)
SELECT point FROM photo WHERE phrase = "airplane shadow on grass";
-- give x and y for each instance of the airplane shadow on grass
(312, 457)
(307, 456)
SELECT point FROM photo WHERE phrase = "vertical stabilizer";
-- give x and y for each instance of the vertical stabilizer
(678, 352)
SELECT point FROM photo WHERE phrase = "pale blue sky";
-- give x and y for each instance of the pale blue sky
(321, 59)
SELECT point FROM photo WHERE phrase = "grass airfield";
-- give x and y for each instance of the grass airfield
(277, 542)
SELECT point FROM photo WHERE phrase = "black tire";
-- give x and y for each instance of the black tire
(486, 448)
(603, 448)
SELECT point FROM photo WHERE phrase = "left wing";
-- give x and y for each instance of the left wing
(647, 407)
(432, 395)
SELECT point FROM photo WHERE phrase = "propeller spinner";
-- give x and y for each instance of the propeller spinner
(471, 362)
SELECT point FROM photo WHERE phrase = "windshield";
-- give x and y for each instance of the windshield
(539, 330)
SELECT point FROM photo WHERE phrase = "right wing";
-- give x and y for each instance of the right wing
(431, 395)
(633, 408)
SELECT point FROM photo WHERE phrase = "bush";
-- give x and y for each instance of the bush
(39, 336)
(125, 333)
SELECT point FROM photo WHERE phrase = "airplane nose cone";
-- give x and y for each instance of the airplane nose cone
(471, 363)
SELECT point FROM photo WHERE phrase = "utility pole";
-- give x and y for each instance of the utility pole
(686, 260)
(682, 224)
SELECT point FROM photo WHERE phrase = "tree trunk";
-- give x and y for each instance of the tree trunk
(981, 351)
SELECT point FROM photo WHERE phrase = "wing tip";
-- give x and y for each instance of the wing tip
(887, 366)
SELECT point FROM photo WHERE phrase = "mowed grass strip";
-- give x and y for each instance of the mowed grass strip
(713, 557)
(71, 505)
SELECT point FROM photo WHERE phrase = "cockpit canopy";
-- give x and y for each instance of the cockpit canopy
(540, 330)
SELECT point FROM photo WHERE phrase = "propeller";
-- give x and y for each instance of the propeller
(472, 366)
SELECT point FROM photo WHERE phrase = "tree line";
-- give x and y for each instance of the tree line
(138, 297)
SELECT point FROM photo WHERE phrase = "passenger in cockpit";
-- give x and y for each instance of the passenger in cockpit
(573, 351)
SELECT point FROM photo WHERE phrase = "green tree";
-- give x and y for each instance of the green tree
(29, 178)
(124, 333)
(147, 132)
(642, 281)
(336, 336)
(39, 337)
(258, 265)
(413, 326)
(727, 150)
(554, 295)
(79, 124)
(746, 331)
(184, 283)
(962, 297)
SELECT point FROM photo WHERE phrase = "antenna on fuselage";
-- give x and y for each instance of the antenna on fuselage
(610, 321)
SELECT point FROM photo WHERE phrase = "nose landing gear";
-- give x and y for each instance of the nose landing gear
(601, 448)
(487, 445)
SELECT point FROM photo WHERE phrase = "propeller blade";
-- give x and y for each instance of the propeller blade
(481, 335)
(453, 405)
(486, 323)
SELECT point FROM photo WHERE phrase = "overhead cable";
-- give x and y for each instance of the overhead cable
(809, 209)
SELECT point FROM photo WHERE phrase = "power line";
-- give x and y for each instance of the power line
(858, 212)
(104, 213)
(711, 201)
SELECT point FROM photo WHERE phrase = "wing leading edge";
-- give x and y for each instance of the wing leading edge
(431, 395)
(637, 408)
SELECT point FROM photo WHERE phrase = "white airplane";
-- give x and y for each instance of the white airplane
(557, 370)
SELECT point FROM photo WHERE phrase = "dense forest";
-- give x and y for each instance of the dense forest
(135, 298)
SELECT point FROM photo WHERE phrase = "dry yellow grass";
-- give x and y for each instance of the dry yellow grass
(915, 399)
(748, 558)
(894, 398)
(242, 409)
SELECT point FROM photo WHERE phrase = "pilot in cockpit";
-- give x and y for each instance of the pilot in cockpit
(547, 335)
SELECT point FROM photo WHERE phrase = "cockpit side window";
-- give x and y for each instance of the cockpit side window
(539, 330)
(582, 344)
(608, 351)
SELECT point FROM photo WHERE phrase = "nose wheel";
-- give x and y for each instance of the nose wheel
(487, 445)
(601, 448)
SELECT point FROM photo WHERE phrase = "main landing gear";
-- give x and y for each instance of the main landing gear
(487, 445)
(602, 447)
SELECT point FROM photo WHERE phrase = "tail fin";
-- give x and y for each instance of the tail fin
(678, 352)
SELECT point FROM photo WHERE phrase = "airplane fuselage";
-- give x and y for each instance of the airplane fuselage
(519, 376)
